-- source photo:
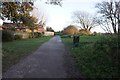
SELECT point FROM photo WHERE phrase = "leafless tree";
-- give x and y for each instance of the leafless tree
(86, 20)
(104, 24)
(110, 10)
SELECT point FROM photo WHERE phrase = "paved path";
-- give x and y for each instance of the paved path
(46, 62)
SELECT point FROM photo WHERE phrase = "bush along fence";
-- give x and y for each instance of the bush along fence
(8, 35)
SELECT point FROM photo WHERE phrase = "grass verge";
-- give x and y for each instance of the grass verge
(96, 56)
(15, 50)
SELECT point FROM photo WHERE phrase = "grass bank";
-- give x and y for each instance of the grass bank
(15, 50)
(96, 56)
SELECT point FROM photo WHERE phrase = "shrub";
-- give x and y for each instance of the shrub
(7, 35)
(107, 42)
(109, 45)
(70, 30)
(37, 34)
(18, 37)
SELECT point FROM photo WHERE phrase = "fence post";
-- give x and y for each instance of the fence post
(76, 40)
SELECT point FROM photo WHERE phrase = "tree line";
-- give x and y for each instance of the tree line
(108, 20)
(19, 12)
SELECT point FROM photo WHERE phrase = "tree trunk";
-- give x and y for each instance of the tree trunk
(119, 27)
(113, 25)
(114, 28)
(33, 33)
(118, 24)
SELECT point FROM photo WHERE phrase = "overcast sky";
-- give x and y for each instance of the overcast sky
(60, 17)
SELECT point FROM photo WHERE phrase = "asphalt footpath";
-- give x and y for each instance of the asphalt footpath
(46, 62)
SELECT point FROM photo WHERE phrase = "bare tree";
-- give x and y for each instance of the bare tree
(110, 10)
(104, 24)
(86, 20)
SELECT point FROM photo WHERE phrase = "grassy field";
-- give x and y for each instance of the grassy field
(96, 56)
(15, 50)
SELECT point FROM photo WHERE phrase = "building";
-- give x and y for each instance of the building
(22, 28)
(48, 33)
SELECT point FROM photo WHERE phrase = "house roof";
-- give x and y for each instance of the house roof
(41, 29)
(13, 25)
(20, 26)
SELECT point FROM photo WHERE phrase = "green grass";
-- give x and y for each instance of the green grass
(92, 60)
(15, 50)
